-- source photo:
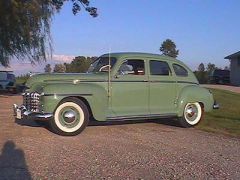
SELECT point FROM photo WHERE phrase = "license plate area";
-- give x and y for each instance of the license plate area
(19, 114)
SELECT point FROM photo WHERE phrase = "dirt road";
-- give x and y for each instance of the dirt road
(141, 150)
(223, 87)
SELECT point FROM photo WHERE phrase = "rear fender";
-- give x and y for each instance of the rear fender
(194, 93)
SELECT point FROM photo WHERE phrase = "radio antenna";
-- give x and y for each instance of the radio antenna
(109, 72)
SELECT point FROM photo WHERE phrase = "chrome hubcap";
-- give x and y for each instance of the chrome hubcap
(191, 112)
(69, 116)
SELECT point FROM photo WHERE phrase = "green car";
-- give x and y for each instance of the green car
(117, 86)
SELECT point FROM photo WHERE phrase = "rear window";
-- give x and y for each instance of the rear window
(160, 68)
(179, 70)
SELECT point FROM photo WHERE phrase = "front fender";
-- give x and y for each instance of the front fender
(194, 93)
(94, 94)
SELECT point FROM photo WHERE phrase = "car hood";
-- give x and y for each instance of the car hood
(65, 77)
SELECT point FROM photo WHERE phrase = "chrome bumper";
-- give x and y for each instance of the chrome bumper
(22, 113)
(215, 105)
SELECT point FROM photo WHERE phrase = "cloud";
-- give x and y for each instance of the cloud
(62, 58)
(24, 67)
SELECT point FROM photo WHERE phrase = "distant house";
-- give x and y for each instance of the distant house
(234, 68)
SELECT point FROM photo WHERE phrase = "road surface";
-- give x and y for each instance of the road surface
(139, 150)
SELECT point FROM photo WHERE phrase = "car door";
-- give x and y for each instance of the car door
(162, 88)
(129, 96)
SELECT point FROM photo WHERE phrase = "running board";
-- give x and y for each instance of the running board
(150, 116)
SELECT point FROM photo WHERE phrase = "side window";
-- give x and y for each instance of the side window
(132, 67)
(159, 68)
(179, 70)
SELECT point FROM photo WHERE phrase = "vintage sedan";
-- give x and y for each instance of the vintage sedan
(117, 86)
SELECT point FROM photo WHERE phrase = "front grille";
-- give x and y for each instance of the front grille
(31, 101)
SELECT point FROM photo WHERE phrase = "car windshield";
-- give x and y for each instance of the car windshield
(100, 63)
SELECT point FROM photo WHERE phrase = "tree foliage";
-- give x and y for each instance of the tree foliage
(24, 30)
(77, 4)
(25, 27)
(59, 68)
(48, 68)
(201, 67)
(211, 67)
(202, 76)
(202, 73)
(168, 48)
(79, 64)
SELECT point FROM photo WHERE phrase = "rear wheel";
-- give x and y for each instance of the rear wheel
(70, 118)
(192, 115)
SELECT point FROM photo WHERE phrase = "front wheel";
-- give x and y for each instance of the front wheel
(192, 115)
(70, 118)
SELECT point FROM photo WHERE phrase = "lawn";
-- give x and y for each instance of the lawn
(225, 120)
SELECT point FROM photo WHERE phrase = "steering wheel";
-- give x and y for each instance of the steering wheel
(100, 70)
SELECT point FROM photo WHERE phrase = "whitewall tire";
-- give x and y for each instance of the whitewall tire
(70, 117)
(192, 114)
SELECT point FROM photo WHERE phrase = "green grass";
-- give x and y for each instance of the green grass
(225, 120)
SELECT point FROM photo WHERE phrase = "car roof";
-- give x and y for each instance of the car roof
(132, 54)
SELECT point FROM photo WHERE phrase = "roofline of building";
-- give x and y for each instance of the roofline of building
(234, 55)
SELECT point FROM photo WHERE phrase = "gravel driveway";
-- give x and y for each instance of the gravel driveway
(141, 150)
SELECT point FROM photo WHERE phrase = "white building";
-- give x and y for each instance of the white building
(234, 68)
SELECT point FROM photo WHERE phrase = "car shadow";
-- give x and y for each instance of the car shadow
(32, 123)
(92, 122)
(12, 162)
(168, 122)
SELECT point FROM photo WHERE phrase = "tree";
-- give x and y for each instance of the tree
(201, 74)
(211, 67)
(201, 67)
(48, 68)
(59, 68)
(168, 48)
(79, 64)
(25, 27)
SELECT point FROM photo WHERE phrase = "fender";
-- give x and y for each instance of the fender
(194, 93)
(94, 93)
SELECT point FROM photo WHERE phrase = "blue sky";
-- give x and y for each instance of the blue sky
(203, 30)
